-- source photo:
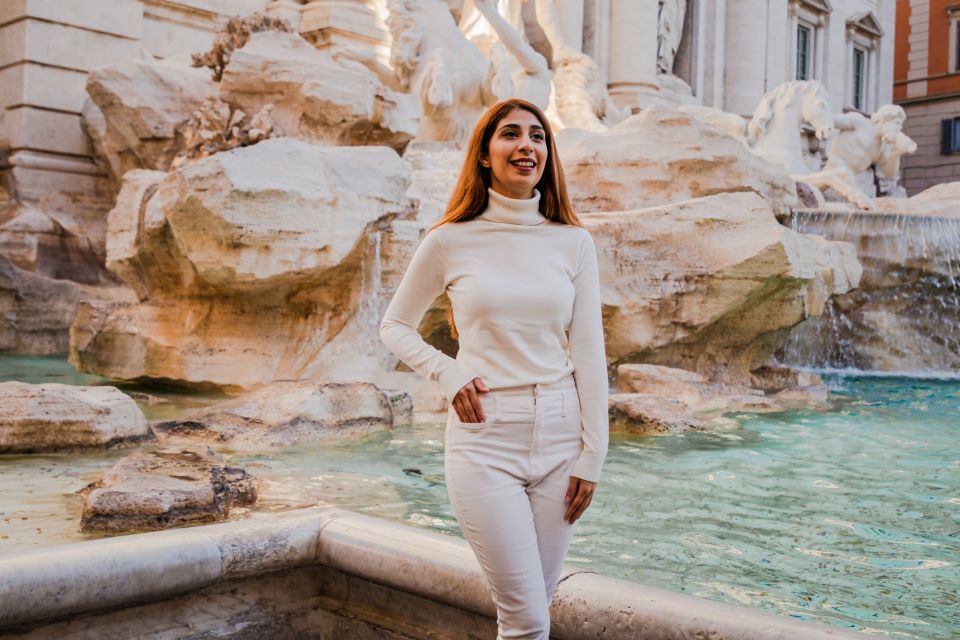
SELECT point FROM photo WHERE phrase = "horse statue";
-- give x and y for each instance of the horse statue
(774, 131)
(861, 143)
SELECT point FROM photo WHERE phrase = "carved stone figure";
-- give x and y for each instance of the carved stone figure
(669, 32)
(519, 71)
(435, 61)
(860, 143)
(774, 132)
(580, 97)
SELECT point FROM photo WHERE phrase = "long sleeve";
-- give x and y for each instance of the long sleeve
(590, 363)
(422, 282)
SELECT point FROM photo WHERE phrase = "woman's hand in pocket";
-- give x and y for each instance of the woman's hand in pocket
(467, 401)
(578, 498)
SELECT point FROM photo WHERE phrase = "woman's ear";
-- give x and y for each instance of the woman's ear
(484, 161)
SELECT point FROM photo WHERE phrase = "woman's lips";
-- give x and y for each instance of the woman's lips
(524, 166)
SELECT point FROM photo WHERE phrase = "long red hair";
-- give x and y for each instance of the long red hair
(469, 198)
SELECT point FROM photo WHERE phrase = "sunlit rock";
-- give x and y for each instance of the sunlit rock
(650, 414)
(939, 200)
(286, 414)
(248, 264)
(164, 489)
(711, 285)
(49, 417)
(143, 104)
(316, 97)
(662, 155)
(691, 389)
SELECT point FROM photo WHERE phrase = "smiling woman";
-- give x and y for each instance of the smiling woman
(522, 464)
(517, 155)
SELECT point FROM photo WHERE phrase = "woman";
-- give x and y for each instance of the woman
(527, 428)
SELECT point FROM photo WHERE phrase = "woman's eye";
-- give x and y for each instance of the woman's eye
(537, 137)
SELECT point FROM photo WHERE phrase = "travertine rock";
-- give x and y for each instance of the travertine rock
(650, 414)
(286, 414)
(691, 389)
(434, 168)
(48, 417)
(38, 242)
(233, 35)
(662, 155)
(316, 97)
(248, 263)
(143, 104)
(163, 489)
(939, 200)
(711, 285)
(36, 311)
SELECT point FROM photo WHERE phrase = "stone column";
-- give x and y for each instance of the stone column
(571, 20)
(746, 49)
(633, 53)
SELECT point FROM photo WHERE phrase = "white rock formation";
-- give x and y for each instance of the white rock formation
(143, 103)
(49, 417)
(316, 97)
(248, 263)
(939, 200)
(710, 285)
(664, 155)
(285, 414)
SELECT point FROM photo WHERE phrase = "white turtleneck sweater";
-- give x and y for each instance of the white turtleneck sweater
(518, 283)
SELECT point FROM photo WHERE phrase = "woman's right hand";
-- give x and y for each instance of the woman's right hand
(467, 401)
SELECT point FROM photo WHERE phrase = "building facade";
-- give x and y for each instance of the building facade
(723, 53)
(927, 86)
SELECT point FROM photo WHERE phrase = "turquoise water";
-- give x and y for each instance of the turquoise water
(849, 517)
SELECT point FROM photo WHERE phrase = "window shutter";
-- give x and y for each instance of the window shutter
(946, 135)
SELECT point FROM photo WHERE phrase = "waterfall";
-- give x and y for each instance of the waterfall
(371, 306)
(904, 319)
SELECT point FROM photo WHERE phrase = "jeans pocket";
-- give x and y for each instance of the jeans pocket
(489, 415)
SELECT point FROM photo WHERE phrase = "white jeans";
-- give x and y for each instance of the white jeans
(506, 478)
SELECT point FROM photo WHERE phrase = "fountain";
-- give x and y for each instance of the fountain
(263, 217)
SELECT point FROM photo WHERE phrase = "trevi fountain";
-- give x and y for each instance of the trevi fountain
(228, 450)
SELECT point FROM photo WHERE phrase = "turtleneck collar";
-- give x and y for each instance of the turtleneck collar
(500, 208)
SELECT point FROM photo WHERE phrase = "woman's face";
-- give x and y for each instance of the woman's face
(517, 154)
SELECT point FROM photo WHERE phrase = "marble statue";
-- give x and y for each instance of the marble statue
(434, 61)
(774, 131)
(669, 32)
(519, 70)
(580, 98)
(861, 142)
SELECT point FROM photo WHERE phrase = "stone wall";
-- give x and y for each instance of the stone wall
(928, 166)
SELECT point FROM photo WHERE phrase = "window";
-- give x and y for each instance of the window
(863, 46)
(804, 51)
(950, 136)
(859, 73)
(956, 46)
(808, 22)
